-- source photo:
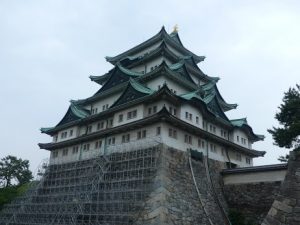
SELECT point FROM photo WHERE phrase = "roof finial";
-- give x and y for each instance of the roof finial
(175, 29)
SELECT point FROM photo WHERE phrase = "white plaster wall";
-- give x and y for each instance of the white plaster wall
(254, 177)
(108, 100)
(159, 104)
(242, 163)
(140, 115)
(74, 135)
(147, 66)
(154, 83)
(152, 138)
(238, 132)
(194, 111)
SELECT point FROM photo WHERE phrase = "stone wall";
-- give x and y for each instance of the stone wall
(174, 199)
(252, 200)
(285, 209)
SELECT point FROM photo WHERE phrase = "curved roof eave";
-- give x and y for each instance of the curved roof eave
(161, 35)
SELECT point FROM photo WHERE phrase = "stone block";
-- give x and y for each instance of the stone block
(281, 206)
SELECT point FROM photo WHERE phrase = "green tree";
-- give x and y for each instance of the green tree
(14, 169)
(288, 134)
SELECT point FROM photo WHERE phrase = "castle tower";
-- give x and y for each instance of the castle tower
(155, 92)
(135, 151)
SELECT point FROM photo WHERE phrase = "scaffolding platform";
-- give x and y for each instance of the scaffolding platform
(106, 189)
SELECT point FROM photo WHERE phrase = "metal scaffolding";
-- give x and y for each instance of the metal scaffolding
(106, 189)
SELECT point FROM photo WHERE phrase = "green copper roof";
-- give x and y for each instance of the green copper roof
(139, 87)
(174, 35)
(190, 95)
(128, 72)
(208, 86)
(78, 111)
(242, 123)
(211, 87)
(207, 99)
(102, 79)
(239, 122)
(46, 129)
(117, 76)
(161, 35)
(133, 91)
(176, 66)
(74, 112)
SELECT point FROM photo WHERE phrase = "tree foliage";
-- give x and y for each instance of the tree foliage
(9, 193)
(287, 135)
(12, 170)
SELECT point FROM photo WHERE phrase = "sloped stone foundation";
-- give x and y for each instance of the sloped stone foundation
(145, 186)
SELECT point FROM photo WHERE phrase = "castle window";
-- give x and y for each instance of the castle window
(186, 115)
(157, 130)
(55, 154)
(201, 143)
(63, 134)
(90, 129)
(94, 110)
(190, 116)
(172, 133)
(55, 138)
(188, 139)
(174, 112)
(100, 125)
(154, 109)
(144, 133)
(86, 147)
(223, 133)
(238, 157)
(98, 144)
(131, 114)
(243, 141)
(197, 119)
(65, 152)
(71, 133)
(237, 138)
(139, 135)
(213, 148)
(120, 118)
(125, 138)
(248, 160)
(75, 150)
(149, 110)
(223, 151)
(175, 134)
(111, 141)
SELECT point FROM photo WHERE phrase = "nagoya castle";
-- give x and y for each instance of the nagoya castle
(151, 146)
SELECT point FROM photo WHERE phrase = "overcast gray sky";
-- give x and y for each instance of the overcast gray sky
(49, 48)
